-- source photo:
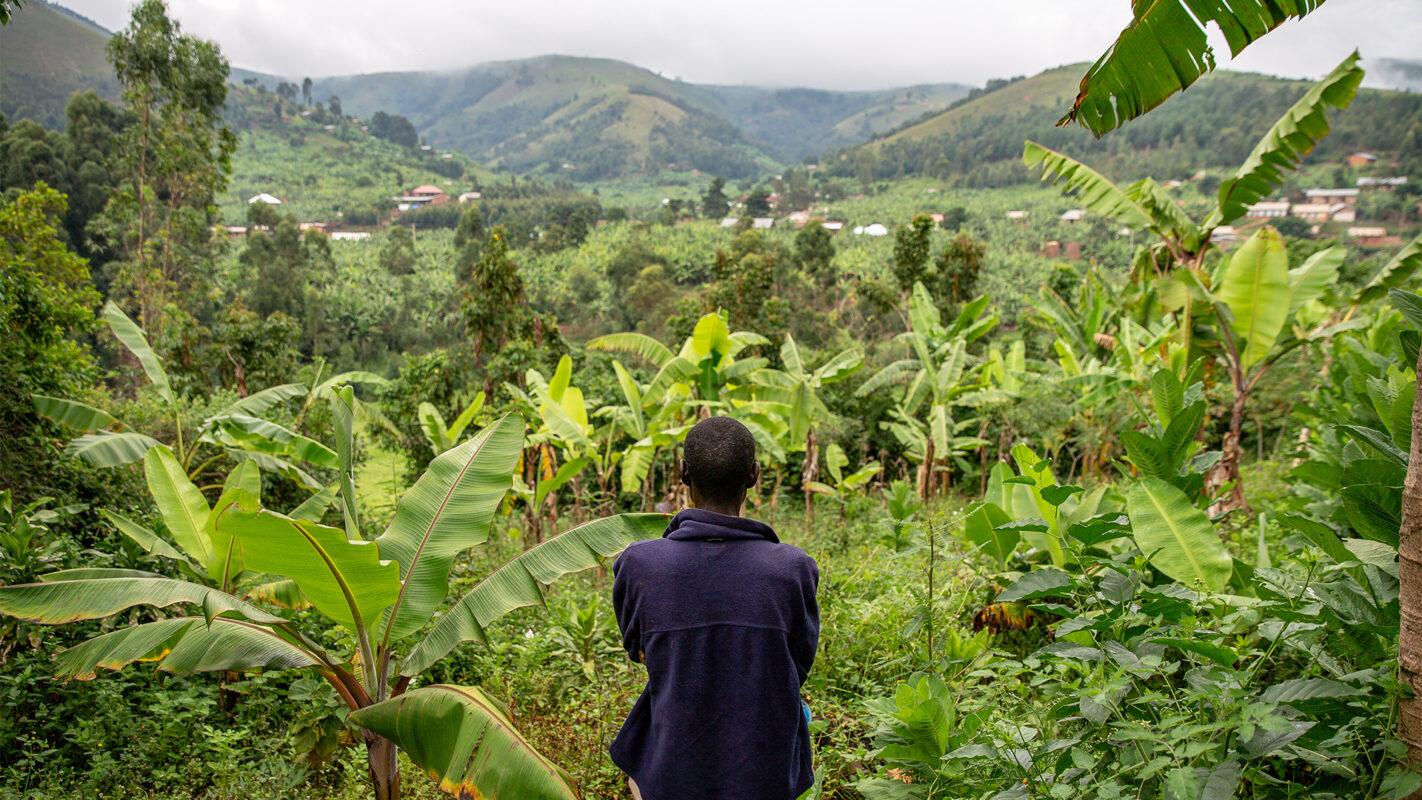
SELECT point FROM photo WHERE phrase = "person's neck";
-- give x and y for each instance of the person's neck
(728, 509)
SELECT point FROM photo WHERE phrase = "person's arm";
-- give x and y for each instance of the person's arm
(624, 607)
(805, 634)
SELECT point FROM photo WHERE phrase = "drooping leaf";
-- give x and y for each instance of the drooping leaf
(1308, 280)
(136, 341)
(1396, 271)
(1255, 289)
(111, 449)
(1164, 50)
(1179, 538)
(314, 507)
(343, 411)
(56, 602)
(981, 529)
(462, 739)
(638, 344)
(1036, 584)
(71, 413)
(151, 542)
(1223, 656)
(448, 510)
(518, 583)
(185, 645)
(347, 581)
(432, 424)
(259, 403)
(1288, 140)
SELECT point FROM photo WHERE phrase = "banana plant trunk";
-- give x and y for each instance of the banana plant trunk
(1227, 471)
(1409, 573)
(384, 766)
(808, 473)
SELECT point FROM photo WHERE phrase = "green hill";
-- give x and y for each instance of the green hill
(1213, 124)
(48, 53)
(603, 118)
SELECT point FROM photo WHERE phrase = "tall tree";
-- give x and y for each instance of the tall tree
(814, 252)
(173, 160)
(714, 204)
(911, 252)
(306, 91)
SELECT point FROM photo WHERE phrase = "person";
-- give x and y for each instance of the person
(725, 619)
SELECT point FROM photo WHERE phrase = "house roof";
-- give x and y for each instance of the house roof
(1366, 233)
(263, 198)
(1270, 205)
(1396, 181)
(1331, 192)
(427, 189)
(1073, 215)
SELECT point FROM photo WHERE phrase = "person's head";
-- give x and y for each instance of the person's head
(719, 464)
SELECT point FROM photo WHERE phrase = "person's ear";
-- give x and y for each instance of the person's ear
(754, 476)
(685, 473)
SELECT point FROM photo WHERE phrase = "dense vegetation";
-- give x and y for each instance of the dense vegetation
(1103, 507)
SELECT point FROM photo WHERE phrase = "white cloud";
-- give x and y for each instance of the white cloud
(829, 43)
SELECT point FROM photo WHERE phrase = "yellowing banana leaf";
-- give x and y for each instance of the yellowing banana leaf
(183, 646)
(463, 739)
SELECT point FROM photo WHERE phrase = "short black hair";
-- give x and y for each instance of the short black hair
(720, 458)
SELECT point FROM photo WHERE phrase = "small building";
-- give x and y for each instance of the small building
(1224, 234)
(447, 156)
(799, 218)
(1073, 251)
(312, 226)
(1072, 215)
(729, 222)
(763, 223)
(937, 218)
(1361, 159)
(349, 236)
(1017, 216)
(872, 229)
(328, 128)
(833, 227)
(1324, 212)
(469, 197)
(1373, 237)
(1051, 249)
(1382, 183)
(1267, 209)
(263, 198)
(1173, 184)
(1330, 196)
(426, 148)
(235, 230)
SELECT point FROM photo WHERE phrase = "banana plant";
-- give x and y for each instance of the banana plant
(844, 486)
(444, 436)
(1260, 310)
(938, 380)
(380, 593)
(794, 392)
(236, 431)
(1145, 205)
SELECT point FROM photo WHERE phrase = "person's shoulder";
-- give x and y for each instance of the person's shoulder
(634, 553)
(792, 556)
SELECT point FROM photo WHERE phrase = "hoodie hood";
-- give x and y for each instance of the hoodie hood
(698, 524)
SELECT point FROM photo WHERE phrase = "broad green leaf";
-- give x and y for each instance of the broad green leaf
(346, 580)
(268, 437)
(56, 602)
(790, 356)
(151, 542)
(353, 377)
(923, 311)
(1036, 584)
(1168, 393)
(710, 338)
(632, 396)
(638, 344)
(562, 377)
(182, 506)
(1255, 289)
(1397, 270)
(1179, 539)
(565, 473)
(456, 428)
(1409, 304)
(245, 476)
(1223, 656)
(836, 461)
(1308, 280)
(1092, 189)
(136, 341)
(1305, 689)
(71, 413)
(314, 507)
(1164, 50)
(462, 739)
(432, 424)
(519, 582)
(260, 402)
(981, 530)
(110, 449)
(1288, 140)
(840, 366)
(448, 510)
(343, 411)
(283, 592)
(185, 645)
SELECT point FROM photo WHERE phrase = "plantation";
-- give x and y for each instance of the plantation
(1121, 502)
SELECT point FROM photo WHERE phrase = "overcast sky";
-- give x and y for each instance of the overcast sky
(833, 44)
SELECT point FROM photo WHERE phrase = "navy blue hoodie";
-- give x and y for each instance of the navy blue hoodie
(728, 620)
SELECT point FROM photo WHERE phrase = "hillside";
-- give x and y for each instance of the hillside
(47, 54)
(1213, 124)
(319, 174)
(1395, 73)
(604, 117)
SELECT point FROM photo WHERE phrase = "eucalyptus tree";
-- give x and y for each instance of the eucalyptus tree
(378, 591)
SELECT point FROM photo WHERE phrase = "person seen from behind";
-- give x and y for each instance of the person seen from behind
(725, 619)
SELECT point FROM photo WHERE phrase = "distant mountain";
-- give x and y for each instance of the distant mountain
(1215, 123)
(603, 117)
(47, 53)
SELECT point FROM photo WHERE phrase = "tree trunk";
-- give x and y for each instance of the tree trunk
(1227, 471)
(384, 767)
(1409, 573)
(809, 472)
